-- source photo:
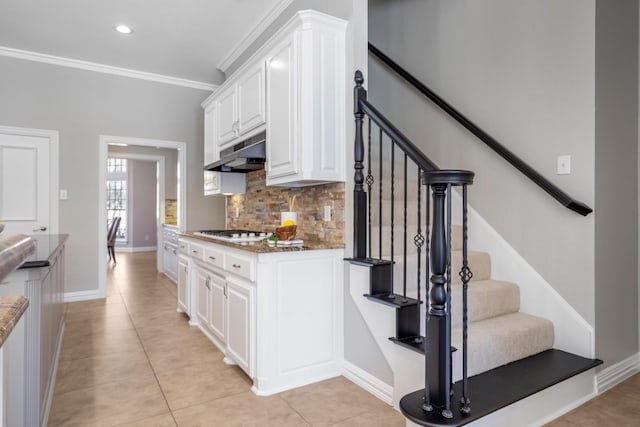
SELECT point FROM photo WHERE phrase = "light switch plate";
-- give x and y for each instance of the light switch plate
(327, 213)
(564, 165)
(63, 195)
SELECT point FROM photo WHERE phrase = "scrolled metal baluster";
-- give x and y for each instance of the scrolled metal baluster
(369, 180)
(418, 240)
(465, 275)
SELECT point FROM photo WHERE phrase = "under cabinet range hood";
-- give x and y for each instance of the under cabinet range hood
(243, 157)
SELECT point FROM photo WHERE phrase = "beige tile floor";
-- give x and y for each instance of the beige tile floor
(619, 407)
(132, 360)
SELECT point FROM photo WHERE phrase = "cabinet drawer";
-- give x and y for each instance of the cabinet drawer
(196, 251)
(243, 267)
(214, 257)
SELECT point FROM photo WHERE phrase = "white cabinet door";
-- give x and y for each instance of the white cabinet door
(211, 153)
(239, 324)
(250, 92)
(203, 289)
(218, 316)
(227, 113)
(183, 285)
(306, 104)
(282, 148)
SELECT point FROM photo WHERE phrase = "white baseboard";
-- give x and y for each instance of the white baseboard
(615, 374)
(130, 249)
(82, 295)
(373, 385)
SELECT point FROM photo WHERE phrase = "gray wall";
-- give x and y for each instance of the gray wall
(523, 71)
(616, 167)
(142, 203)
(170, 164)
(83, 105)
(545, 78)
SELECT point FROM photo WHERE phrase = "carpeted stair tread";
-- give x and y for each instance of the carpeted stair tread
(500, 340)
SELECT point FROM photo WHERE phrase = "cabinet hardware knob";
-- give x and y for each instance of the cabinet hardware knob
(212, 257)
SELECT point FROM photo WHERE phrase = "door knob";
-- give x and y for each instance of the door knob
(42, 228)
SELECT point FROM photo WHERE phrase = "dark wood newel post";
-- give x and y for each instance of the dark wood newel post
(359, 195)
(439, 358)
(438, 363)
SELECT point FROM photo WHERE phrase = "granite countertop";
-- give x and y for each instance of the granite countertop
(46, 245)
(263, 248)
(11, 310)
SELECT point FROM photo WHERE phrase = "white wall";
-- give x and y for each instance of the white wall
(83, 105)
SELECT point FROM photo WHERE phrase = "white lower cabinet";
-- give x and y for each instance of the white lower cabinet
(278, 316)
(184, 288)
(240, 300)
(217, 321)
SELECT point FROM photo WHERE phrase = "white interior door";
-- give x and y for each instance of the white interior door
(25, 183)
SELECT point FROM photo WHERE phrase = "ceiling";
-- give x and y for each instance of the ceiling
(186, 39)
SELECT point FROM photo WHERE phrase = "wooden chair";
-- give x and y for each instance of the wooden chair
(111, 238)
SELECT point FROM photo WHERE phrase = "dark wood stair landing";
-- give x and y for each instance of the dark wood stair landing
(500, 387)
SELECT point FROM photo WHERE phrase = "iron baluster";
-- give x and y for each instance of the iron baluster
(404, 259)
(448, 389)
(418, 240)
(426, 406)
(465, 275)
(393, 176)
(380, 202)
(369, 181)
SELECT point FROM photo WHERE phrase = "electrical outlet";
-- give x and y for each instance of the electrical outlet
(327, 213)
(564, 165)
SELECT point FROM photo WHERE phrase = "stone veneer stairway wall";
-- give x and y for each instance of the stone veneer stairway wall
(259, 208)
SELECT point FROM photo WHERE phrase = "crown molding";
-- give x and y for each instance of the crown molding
(102, 68)
(252, 35)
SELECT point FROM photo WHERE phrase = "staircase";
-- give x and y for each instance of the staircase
(467, 348)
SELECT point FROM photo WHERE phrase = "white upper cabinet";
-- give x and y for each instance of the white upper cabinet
(295, 86)
(227, 108)
(250, 92)
(306, 98)
(240, 107)
(211, 153)
(217, 182)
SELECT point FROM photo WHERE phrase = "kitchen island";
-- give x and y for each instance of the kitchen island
(30, 360)
(276, 312)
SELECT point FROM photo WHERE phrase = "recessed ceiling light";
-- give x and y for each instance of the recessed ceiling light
(123, 29)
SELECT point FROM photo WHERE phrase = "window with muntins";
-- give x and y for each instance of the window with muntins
(117, 195)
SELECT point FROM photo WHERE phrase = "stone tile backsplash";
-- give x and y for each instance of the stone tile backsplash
(171, 211)
(259, 208)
